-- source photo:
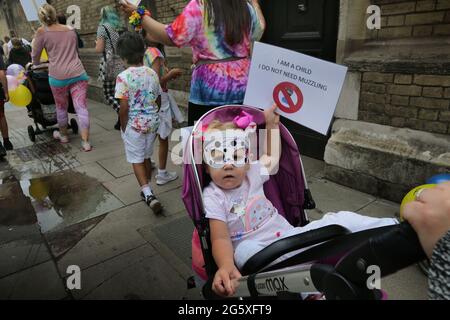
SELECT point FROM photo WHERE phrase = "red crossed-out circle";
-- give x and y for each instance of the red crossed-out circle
(284, 88)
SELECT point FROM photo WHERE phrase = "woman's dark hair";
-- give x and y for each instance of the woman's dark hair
(232, 16)
(131, 47)
(62, 19)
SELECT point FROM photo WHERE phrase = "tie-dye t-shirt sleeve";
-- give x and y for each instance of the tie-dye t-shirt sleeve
(122, 92)
(187, 25)
(257, 30)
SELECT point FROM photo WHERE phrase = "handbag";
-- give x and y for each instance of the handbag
(113, 63)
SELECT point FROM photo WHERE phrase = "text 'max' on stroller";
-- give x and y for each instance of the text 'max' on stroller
(336, 261)
(42, 108)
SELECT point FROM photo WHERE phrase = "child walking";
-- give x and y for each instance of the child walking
(242, 220)
(139, 93)
(154, 59)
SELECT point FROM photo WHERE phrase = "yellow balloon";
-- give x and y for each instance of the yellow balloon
(44, 56)
(21, 97)
(38, 189)
(411, 196)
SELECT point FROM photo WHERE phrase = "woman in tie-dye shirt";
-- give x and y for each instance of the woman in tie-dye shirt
(220, 34)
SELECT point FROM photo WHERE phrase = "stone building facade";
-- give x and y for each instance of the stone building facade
(392, 127)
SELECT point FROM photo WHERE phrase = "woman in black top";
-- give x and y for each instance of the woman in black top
(19, 54)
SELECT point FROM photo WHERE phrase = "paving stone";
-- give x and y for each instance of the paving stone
(117, 166)
(113, 236)
(331, 197)
(152, 278)
(94, 277)
(313, 168)
(96, 171)
(407, 284)
(42, 282)
(21, 254)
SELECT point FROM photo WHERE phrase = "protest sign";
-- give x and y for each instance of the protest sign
(31, 7)
(306, 89)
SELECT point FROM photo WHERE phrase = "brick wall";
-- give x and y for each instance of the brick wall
(16, 20)
(90, 16)
(419, 18)
(168, 10)
(420, 102)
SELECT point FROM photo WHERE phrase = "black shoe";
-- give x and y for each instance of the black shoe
(152, 202)
(117, 125)
(2, 151)
(8, 145)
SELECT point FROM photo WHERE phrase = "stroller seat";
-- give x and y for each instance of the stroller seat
(329, 266)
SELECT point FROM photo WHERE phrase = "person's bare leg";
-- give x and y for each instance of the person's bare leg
(78, 92)
(141, 173)
(85, 134)
(3, 125)
(148, 169)
(163, 153)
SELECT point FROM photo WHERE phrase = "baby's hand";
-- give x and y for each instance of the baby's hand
(272, 117)
(223, 283)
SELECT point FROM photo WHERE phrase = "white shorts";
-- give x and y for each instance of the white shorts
(138, 146)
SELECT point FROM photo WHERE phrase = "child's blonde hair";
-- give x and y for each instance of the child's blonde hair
(217, 125)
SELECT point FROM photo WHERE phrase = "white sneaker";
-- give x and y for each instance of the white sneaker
(152, 164)
(162, 179)
(58, 136)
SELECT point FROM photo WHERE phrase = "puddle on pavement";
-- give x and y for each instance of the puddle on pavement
(55, 201)
(67, 198)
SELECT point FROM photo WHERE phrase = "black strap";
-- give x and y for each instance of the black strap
(251, 285)
(110, 40)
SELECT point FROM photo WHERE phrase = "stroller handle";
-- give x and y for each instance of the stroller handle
(390, 248)
(286, 245)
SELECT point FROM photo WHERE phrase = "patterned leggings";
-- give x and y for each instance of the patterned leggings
(78, 91)
(109, 90)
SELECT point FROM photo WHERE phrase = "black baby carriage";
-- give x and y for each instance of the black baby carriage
(336, 261)
(42, 108)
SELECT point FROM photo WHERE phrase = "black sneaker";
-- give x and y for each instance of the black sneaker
(2, 151)
(152, 202)
(117, 125)
(8, 145)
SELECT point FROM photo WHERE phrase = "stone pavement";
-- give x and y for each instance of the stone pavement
(61, 207)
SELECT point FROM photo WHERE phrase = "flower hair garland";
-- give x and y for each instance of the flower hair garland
(137, 16)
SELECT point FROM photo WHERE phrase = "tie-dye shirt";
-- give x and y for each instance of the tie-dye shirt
(140, 86)
(221, 83)
(151, 54)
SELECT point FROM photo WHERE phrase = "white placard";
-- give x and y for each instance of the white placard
(306, 89)
(31, 8)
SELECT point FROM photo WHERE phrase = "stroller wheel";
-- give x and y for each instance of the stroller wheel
(31, 134)
(74, 126)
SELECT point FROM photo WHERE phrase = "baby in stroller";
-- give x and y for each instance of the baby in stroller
(242, 220)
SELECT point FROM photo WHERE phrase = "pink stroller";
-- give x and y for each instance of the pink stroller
(337, 261)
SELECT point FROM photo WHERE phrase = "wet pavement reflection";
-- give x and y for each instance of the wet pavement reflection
(54, 202)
